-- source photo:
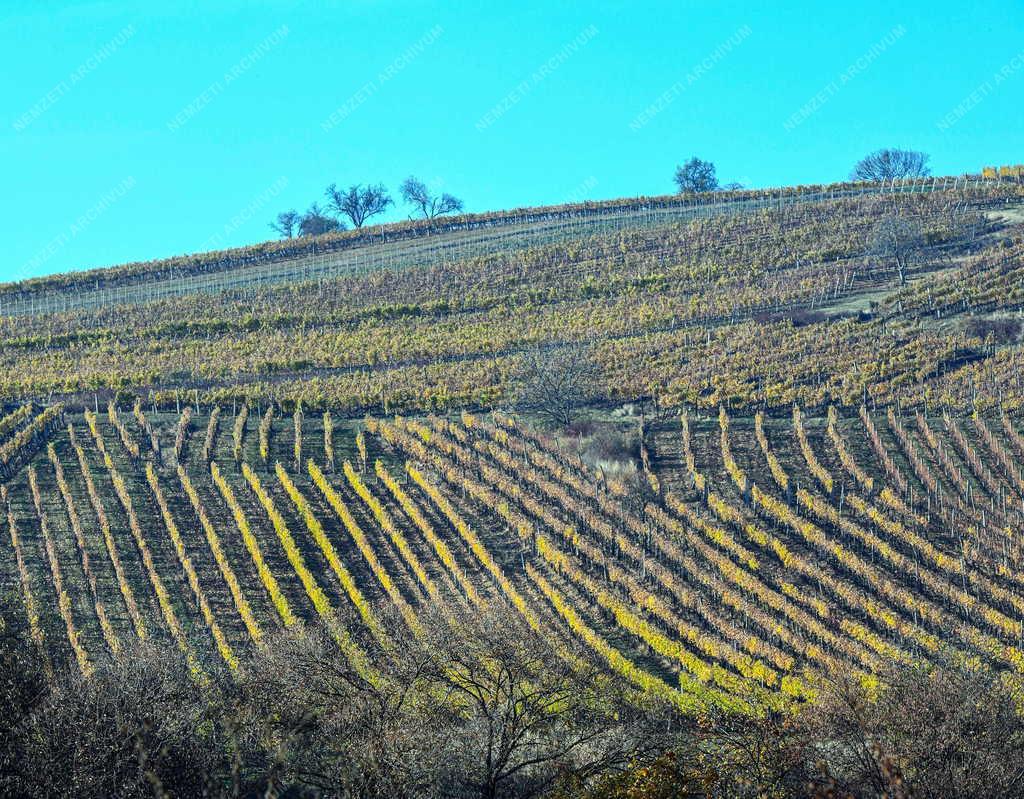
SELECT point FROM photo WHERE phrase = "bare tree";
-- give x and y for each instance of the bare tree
(526, 714)
(340, 732)
(696, 175)
(141, 721)
(480, 707)
(899, 241)
(286, 224)
(938, 731)
(358, 203)
(888, 164)
(556, 382)
(23, 688)
(315, 222)
(416, 193)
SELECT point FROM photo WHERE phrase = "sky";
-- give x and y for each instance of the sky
(139, 130)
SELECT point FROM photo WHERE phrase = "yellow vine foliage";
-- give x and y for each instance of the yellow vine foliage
(213, 541)
(223, 647)
(113, 643)
(330, 554)
(108, 538)
(316, 594)
(440, 547)
(284, 610)
(362, 543)
(387, 524)
(28, 595)
(57, 578)
(159, 589)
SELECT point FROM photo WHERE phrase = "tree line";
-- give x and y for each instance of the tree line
(483, 707)
(358, 203)
(698, 175)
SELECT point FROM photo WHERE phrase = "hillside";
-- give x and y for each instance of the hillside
(805, 544)
(793, 463)
(760, 308)
(401, 245)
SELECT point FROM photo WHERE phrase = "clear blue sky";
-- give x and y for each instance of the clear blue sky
(138, 130)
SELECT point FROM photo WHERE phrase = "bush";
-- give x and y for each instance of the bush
(138, 723)
(1003, 330)
(939, 731)
(524, 722)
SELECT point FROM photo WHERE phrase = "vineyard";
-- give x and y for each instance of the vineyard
(796, 459)
(418, 243)
(738, 563)
(756, 310)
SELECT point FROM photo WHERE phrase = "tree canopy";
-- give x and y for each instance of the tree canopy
(358, 203)
(416, 193)
(888, 164)
(696, 175)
